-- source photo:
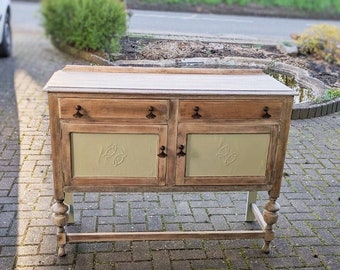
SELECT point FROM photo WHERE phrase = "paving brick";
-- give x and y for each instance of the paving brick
(113, 257)
(208, 264)
(84, 261)
(287, 262)
(7, 262)
(88, 224)
(183, 208)
(168, 245)
(257, 264)
(141, 251)
(161, 260)
(303, 228)
(34, 235)
(48, 244)
(6, 218)
(133, 266)
(200, 214)
(309, 257)
(333, 262)
(106, 202)
(213, 249)
(197, 226)
(104, 266)
(130, 228)
(306, 241)
(236, 260)
(155, 223)
(113, 220)
(94, 247)
(194, 244)
(166, 200)
(219, 222)
(181, 265)
(35, 260)
(137, 216)
(187, 254)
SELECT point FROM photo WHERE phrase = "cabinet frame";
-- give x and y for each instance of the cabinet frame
(169, 86)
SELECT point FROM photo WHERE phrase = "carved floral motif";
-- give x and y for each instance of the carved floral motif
(114, 153)
(226, 155)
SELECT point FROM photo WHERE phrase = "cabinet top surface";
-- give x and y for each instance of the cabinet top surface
(142, 81)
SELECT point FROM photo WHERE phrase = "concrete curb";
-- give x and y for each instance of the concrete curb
(304, 110)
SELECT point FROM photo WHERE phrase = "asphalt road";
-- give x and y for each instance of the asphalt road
(218, 26)
(26, 16)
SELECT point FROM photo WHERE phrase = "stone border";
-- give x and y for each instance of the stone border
(304, 110)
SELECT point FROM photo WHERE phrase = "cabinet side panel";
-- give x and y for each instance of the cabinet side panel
(56, 142)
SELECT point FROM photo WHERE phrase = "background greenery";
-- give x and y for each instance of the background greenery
(85, 24)
(308, 5)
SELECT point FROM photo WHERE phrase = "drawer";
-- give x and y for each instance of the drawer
(230, 109)
(124, 109)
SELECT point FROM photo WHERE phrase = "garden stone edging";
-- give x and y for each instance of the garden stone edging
(304, 110)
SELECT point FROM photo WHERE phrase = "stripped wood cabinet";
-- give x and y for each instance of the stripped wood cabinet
(166, 129)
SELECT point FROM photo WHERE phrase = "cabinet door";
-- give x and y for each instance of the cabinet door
(236, 155)
(100, 155)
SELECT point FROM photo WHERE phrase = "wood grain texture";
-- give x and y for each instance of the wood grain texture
(162, 102)
(144, 82)
(158, 236)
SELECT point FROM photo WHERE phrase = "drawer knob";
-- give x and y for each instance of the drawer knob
(151, 115)
(181, 153)
(266, 114)
(78, 114)
(162, 154)
(196, 115)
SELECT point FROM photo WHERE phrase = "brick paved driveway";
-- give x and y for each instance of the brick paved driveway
(308, 229)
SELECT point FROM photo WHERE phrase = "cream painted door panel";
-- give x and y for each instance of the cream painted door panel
(114, 155)
(227, 154)
(222, 155)
(119, 155)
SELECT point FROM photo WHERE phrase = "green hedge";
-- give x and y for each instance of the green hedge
(85, 24)
(308, 5)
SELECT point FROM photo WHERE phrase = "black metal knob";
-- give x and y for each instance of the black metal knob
(162, 154)
(78, 114)
(151, 115)
(196, 115)
(181, 153)
(266, 114)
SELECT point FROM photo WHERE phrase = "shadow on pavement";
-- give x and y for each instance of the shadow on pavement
(9, 163)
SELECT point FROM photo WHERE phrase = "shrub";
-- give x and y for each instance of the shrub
(85, 24)
(329, 95)
(321, 41)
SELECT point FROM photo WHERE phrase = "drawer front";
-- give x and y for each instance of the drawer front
(123, 109)
(229, 109)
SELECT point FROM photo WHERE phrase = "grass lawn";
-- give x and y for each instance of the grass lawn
(318, 6)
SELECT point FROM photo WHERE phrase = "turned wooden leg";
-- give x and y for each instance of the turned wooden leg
(60, 218)
(270, 216)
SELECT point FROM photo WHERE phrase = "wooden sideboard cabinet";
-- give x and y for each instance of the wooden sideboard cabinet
(125, 129)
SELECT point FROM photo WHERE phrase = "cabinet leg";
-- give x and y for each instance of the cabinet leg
(250, 200)
(270, 216)
(60, 218)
